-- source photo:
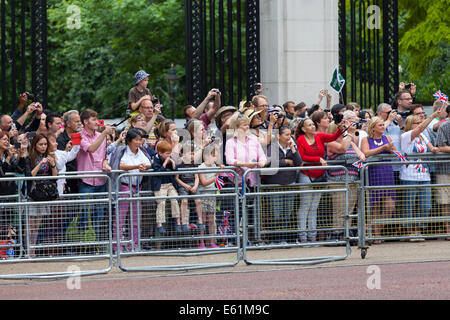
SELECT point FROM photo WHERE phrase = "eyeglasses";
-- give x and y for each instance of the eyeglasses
(417, 122)
(263, 106)
(419, 113)
(407, 99)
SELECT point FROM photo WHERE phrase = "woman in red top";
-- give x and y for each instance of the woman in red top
(311, 146)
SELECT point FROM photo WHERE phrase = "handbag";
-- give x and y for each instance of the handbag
(7, 187)
(322, 178)
(44, 191)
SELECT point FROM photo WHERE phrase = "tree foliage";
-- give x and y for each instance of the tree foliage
(424, 32)
(93, 66)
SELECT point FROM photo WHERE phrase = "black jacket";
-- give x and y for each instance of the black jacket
(282, 177)
(158, 180)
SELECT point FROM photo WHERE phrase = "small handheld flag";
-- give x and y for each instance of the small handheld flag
(440, 96)
(401, 157)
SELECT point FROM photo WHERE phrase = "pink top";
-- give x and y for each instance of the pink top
(250, 151)
(91, 161)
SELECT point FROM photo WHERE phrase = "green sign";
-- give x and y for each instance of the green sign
(337, 81)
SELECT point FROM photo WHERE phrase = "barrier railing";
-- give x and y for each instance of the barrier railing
(407, 209)
(69, 234)
(298, 203)
(45, 227)
(182, 239)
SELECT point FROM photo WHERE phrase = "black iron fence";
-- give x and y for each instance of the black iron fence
(368, 50)
(23, 43)
(222, 49)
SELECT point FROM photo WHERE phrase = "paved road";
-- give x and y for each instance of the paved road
(429, 280)
(400, 271)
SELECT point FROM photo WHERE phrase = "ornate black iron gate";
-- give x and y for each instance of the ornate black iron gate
(368, 50)
(23, 42)
(222, 49)
(216, 56)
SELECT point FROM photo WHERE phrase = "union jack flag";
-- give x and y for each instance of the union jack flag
(440, 96)
(224, 226)
(219, 183)
(359, 164)
(420, 168)
(400, 156)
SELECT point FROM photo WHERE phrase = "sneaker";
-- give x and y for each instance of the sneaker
(186, 228)
(178, 228)
(160, 230)
(213, 245)
(201, 227)
(201, 246)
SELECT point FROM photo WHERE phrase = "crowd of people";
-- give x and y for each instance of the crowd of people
(255, 134)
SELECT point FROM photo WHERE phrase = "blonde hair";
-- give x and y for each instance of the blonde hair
(371, 125)
(237, 120)
(137, 117)
(409, 122)
(193, 125)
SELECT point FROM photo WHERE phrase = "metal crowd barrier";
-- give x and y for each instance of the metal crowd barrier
(174, 246)
(68, 233)
(291, 217)
(406, 212)
(54, 231)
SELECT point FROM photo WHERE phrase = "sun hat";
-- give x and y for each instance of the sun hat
(140, 75)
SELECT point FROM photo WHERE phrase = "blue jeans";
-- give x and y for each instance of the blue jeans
(97, 212)
(423, 198)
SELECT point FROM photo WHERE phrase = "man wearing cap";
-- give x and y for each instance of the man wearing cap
(139, 91)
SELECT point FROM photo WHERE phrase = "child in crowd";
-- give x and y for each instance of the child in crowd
(139, 92)
(207, 186)
(189, 182)
(165, 185)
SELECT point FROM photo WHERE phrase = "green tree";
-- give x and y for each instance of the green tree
(424, 32)
(93, 66)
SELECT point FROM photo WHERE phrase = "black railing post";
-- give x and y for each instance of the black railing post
(253, 46)
(390, 48)
(39, 50)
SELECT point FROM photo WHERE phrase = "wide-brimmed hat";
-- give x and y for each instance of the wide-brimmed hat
(220, 112)
(140, 75)
(250, 113)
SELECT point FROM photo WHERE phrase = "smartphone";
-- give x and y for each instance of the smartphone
(17, 145)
